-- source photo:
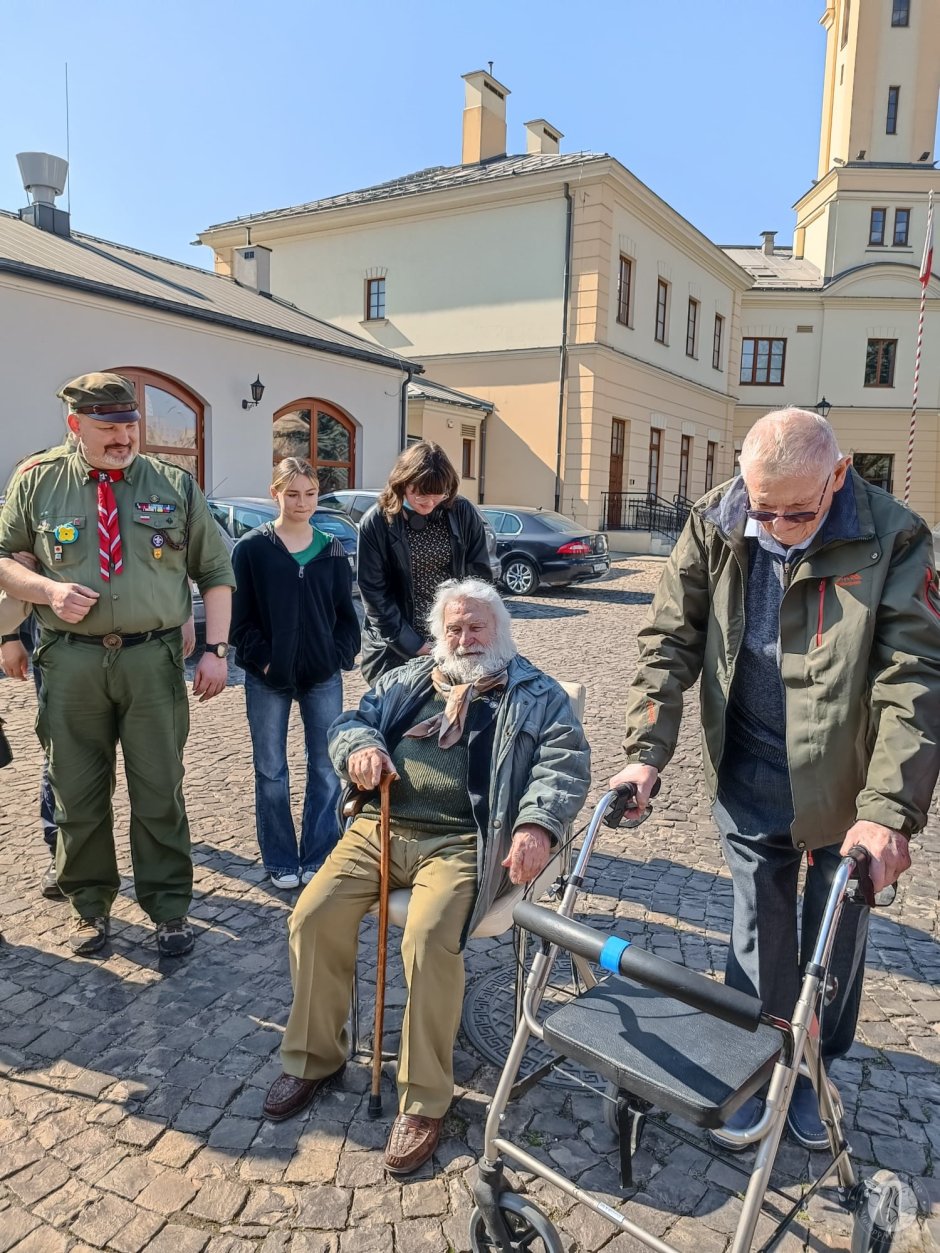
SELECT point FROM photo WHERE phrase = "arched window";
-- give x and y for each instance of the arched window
(172, 420)
(321, 433)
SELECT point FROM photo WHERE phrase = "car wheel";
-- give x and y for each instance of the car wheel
(520, 577)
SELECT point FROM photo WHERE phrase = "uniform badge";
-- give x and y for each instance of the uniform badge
(154, 499)
(151, 507)
(57, 552)
(66, 533)
(156, 542)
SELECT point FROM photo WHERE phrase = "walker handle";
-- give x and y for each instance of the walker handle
(862, 887)
(626, 801)
(685, 985)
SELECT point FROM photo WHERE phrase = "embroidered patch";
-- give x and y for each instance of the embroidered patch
(849, 580)
(154, 506)
(66, 533)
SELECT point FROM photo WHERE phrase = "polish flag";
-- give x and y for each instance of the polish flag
(927, 264)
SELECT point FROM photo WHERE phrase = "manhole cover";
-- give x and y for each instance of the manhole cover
(488, 1014)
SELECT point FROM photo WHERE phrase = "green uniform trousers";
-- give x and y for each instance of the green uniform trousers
(441, 870)
(93, 698)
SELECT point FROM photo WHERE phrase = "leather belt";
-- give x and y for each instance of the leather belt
(114, 640)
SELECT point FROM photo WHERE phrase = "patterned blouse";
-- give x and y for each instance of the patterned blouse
(431, 563)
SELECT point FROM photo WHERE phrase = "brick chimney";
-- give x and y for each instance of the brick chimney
(541, 137)
(484, 118)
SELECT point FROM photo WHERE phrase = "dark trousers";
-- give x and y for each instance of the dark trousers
(29, 634)
(768, 953)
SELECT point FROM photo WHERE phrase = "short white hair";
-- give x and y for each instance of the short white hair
(790, 443)
(480, 593)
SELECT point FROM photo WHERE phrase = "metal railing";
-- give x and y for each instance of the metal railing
(637, 511)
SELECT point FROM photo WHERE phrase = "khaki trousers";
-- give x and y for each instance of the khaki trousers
(441, 870)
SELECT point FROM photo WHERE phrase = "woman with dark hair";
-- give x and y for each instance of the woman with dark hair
(419, 533)
(294, 628)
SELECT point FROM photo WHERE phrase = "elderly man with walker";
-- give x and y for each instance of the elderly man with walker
(806, 600)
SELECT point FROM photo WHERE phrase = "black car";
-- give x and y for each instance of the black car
(237, 515)
(539, 548)
(356, 503)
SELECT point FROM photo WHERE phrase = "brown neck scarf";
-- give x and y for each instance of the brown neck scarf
(449, 725)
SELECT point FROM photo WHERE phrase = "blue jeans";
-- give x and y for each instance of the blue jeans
(268, 714)
(29, 634)
(766, 956)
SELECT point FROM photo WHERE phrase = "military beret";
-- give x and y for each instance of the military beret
(106, 396)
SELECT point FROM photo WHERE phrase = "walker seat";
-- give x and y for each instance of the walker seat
(681, 1060)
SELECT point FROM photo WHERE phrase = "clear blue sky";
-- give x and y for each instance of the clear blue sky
(186, 114)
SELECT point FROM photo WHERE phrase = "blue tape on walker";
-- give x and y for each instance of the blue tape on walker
(612, 952)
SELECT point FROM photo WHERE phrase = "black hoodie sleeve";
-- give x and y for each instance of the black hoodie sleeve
(346, 634)
(252, 647)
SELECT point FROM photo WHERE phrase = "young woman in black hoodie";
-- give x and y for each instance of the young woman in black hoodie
(294, 628)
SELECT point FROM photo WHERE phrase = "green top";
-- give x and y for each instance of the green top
(155, 499)
(431, 792)
(314, 548)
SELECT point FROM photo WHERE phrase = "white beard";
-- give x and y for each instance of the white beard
(467, 669)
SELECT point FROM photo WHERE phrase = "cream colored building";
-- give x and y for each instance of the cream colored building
(624, 354)
(194, 342)
(556, 286)
(834, 317)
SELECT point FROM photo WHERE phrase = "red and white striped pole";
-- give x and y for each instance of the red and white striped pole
(926, 266)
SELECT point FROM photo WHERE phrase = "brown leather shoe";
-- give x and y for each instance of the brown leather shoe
(411, 1142)
(288, 1096)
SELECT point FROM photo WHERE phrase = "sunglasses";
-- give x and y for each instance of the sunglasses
(804, 515)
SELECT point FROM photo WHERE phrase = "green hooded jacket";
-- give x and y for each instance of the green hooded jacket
(860, 658)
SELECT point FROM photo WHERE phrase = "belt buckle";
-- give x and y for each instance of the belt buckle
(112, 640)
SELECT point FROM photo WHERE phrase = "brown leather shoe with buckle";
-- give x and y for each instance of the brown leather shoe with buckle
(288, 1095)
(411, 1142)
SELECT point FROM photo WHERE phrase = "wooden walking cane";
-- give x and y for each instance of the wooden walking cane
(385, 839)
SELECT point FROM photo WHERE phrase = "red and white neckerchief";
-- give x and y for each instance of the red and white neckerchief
(110, 555)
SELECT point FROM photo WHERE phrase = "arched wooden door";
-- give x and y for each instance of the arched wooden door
(172, 419)
(321, 433)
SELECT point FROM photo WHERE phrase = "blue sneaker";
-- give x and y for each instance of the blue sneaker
(803, 1119)
(743, 1119)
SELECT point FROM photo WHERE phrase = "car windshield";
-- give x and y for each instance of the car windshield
(555, 521)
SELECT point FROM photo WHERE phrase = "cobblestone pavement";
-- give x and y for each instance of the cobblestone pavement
(131, 1090)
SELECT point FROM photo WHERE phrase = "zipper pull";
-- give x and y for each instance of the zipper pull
(787, 567)
(300, 574)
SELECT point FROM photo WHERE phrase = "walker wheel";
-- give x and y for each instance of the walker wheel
(529, 1229)
(877, 1205)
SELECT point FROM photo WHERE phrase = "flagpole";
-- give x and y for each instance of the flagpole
(925, 269)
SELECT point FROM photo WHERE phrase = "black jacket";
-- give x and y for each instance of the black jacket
(299, 619)
(389, 635)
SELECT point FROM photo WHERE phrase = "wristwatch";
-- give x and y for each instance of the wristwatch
(220, 650)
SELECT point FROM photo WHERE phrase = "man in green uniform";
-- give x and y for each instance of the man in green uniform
(116, 535)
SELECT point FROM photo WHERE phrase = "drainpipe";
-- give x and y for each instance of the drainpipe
(563, 362)
(481, 470)
(403, 410)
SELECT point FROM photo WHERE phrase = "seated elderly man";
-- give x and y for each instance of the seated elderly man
(492, 768)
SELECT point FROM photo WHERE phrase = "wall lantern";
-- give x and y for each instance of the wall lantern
(822, 408)
(257, 391)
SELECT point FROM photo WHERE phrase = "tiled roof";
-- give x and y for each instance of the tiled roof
(85, 263)
(427, 389)
(779, 269)
(434, 178)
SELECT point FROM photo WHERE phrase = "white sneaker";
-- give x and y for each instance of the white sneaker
(286, 881)
(306, 876)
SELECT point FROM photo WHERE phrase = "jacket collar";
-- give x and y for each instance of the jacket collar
(849, 516)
